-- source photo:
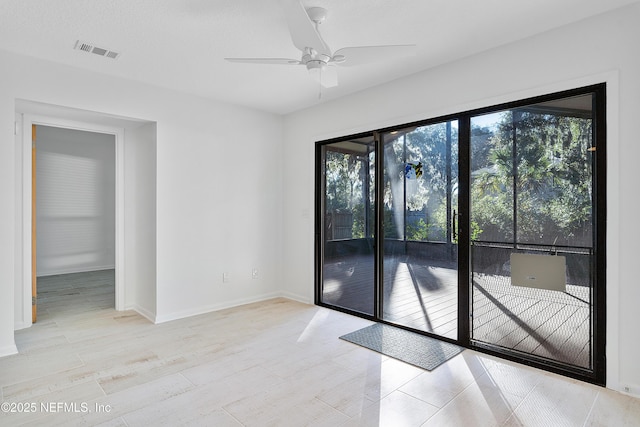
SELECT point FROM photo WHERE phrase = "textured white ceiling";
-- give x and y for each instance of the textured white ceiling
(180, 44)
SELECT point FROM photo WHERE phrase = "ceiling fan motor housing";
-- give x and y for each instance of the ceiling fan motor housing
(313, 59)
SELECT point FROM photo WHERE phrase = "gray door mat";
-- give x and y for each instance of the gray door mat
(418, 350)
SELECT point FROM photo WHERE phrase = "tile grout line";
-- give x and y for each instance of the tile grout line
(232, 416)
(524, 398)
(593, 405)
(452, 399)
(187, 379)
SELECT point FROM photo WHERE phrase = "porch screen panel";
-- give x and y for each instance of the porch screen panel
(420, 267)
(348, 188)
(532, 253)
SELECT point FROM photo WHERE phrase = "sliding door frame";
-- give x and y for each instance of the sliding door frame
(597, 375)
(598, 314)
(319, 229)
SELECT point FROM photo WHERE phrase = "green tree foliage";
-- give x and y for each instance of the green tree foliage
(551, 178)
(345, 176)
(535, 161)
(426, 197)
(343, 184)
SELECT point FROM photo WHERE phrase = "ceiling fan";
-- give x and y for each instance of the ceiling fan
(316, 55)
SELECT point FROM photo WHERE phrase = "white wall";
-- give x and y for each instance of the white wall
(599, 49)
(76, 203)
(140, 229)
(218, 188)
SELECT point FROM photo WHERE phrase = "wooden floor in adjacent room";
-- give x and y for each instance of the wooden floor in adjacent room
(276, 362)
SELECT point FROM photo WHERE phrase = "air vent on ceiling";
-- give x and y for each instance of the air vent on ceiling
(90, 48)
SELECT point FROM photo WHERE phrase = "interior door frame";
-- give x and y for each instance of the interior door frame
(28, 120)
(34, 226)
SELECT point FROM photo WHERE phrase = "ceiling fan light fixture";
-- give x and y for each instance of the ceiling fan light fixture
(315, 66)
(322, 73)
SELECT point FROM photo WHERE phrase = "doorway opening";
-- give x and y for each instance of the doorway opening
(74, 237)
(134, 275)
(29, 116)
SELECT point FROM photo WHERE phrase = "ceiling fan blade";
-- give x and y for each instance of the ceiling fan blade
(349, 56)
(277, 61)
(303, 30)
(326, 76)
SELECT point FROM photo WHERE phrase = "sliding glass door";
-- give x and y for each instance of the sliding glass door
(485, 228)
(348, 227)
(533, 209)
(419, 206)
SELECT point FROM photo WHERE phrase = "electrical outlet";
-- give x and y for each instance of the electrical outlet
(254, 273)
(631, 389)
(225, 278)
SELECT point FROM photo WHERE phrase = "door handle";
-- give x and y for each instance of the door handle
(454, 233)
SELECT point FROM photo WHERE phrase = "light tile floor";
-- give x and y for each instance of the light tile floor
(273, 363)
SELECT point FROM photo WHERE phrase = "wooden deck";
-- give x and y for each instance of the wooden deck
(418, 295)
(423, 295)
(549, 324)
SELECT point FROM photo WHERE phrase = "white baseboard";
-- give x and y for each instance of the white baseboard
(215, 307)
(296, 297)
(21, 325)
(76, 270)
(8, 350)
(629, 390)
(147, 314)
